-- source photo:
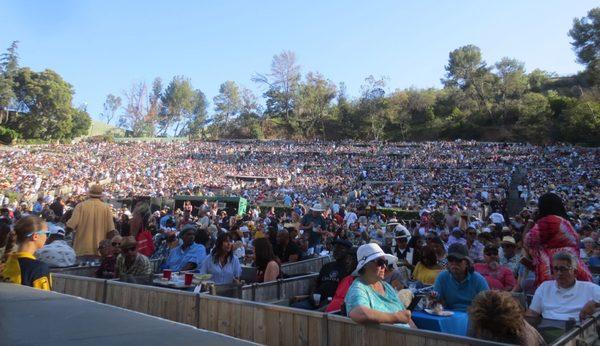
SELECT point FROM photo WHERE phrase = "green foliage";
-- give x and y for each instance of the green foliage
(46, 97)
(400, 213)
(178, 105)
(583, 123)
(81, 123)
(8, 136)
(586, 42)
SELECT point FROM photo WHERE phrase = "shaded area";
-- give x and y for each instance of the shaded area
(34, 317)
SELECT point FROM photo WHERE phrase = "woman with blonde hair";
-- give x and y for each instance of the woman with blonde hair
(20, 265)
(497, 316)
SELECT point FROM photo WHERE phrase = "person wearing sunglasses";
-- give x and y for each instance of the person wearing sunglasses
(21, 267)
(108, 260)
(456, 286)
(130, 262)
(370, 299)
(565, 297)
(498, 277)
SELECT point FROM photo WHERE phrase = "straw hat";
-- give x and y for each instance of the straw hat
(95, 191)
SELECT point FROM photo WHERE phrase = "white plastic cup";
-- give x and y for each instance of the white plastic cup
(317, 298)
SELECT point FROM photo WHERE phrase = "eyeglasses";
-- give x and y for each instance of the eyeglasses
(561, 268)
(115, 244)
(454, 260)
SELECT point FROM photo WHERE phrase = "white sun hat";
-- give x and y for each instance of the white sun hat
(317, 207)
(368, 252)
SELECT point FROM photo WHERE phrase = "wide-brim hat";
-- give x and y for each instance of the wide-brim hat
(509, 240)
(369, 252)
(96, 191)
(317, 207)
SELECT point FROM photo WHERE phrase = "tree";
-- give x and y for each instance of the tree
(539, 79)
(7, 95)
(586, 37)
(9, 65)
(195, 127)
(583, 123)
(45, 99)
(81, 122)
(586, 42)
(314, 104)
(512, 83)
(136, 116)
(9, 61)
(111, 106)
(282, 83)
(467, 71)
(535, 117)
(228, 106)
(179, 101)
(373, 106)
(250, 104)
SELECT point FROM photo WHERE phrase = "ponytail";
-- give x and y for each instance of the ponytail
(21, 233)
(11, 241)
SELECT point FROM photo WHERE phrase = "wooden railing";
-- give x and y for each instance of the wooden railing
(312, 265)
(89, 271)
(258, 322)
(278, 290)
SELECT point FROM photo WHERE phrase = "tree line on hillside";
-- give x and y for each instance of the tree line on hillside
(499, 101)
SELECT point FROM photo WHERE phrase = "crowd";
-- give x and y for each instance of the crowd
(463, 249)
(410, 176)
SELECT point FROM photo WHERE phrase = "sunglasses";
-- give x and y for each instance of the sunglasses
(491, 253)
(116, 244)
(128, 249)
(561, 268)
(47, 233)
(381, 262)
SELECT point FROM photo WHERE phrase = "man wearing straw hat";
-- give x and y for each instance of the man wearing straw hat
(313, 224)
(91, 221)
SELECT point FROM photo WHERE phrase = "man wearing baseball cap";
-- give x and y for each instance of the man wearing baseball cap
(459, 283)
(56, 252)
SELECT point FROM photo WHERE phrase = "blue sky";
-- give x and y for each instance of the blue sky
(101, 47)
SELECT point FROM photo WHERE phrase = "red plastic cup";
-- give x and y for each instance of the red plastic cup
(167, 274)
(188, 278)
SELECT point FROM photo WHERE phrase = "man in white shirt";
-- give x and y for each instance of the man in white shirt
(56, 252)
(565, 297)
(350, 217)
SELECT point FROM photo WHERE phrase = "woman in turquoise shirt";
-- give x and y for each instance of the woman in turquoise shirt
(370, 299)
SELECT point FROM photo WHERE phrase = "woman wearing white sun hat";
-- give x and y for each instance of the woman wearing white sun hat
(370, 299)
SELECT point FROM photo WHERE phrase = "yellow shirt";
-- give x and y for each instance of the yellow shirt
(425, 275)
(23, 269)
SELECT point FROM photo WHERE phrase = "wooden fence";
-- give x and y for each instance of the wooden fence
(278, 290)
(312, 265)
(269, 324)
(89, 271)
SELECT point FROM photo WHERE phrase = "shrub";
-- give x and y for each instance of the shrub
(8, 136)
